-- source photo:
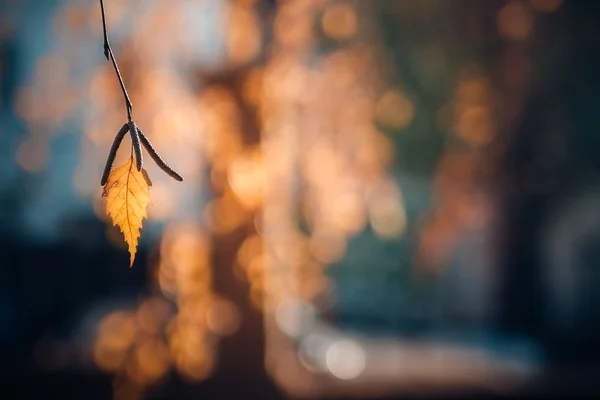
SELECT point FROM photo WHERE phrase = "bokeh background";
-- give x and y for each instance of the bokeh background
(382, 199)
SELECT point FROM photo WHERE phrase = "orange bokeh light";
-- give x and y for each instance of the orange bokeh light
(340, 21)
(515, 21)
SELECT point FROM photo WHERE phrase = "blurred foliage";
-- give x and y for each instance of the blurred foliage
(385, 167)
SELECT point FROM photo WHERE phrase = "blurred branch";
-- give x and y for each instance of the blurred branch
(108, 52)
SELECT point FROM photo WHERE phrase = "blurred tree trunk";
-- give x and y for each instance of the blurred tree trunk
(240, 358)
(242, 354)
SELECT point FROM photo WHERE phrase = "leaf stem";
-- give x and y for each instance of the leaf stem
(108, 52)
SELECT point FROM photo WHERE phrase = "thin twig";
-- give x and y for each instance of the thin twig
(136, 134)
(162, 165)
(108, 52)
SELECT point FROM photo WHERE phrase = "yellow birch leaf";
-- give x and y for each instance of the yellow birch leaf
(127, 193)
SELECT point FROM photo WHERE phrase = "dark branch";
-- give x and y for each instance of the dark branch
(113, 153)
(136, 134)
(108, 53)
(161, 164)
